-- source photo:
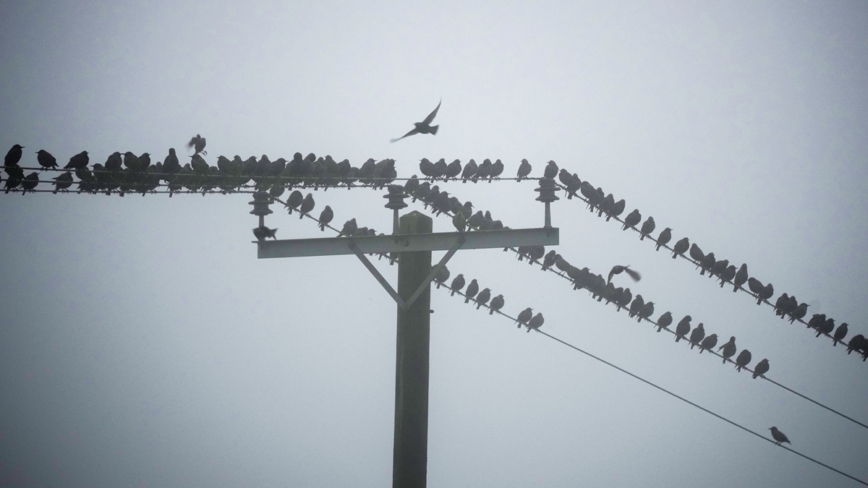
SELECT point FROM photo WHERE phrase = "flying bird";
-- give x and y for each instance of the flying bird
(779, 436)
(423, 127)
(618, 269)
(198, 144)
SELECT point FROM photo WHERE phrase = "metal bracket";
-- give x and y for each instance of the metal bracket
(433, 274)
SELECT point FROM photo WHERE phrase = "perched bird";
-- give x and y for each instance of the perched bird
(427, 168)
(683, 327)
(817, 320)
(708, 343)
(779, 436)
(680, 248)
(696, 253)
(115, 162)
(646, 311)
(197, 143)
(197, 162)
(78, 161)
(549, 260)
(624, 300)
(664, 238)
(664, 321)
(423, 127)
(799, 312)
(755, 285)
(617, 209)
(350, 228)
(761, 368)
(765, 294)
(727, 275)
(740, 278)
(718, 267)
(496, 171)
(13, 156)
(496, 304)
(440, 168)
(536, 322)
(856, 343)
(827, 327)
(647, 228)
(632, 219)
(29, 182)
(482, 297)
(262, 233)
(453, 169)
(551, 170)
(459, 221)
(46, 160)
(457, 284)
(742, 360)
(441, 277)
(706, 263)
(524, 317)
(697, 335)
(306, 206)
(294, 200)
(728, 349)
(840, 334)
(325, 217)
(62, 182)
(618, 269)
(523, 170)
(469, 171)
(636, 305)
(472, 290)
(170, 164)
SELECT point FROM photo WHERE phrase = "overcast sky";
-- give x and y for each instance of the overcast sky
(143, 344)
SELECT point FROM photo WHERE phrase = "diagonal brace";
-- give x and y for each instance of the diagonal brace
(433, 274)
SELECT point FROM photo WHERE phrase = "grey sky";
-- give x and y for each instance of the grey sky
(144, 345)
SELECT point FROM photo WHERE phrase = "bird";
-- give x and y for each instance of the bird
(442, 276)
(524, 317)
(680, 247)
(496, 170)
(761, 368)
(706, 263)
(664, 238)
(549, 260)
(617, 209)
(551, 170)
(632, 219)
(697, 335)
(524, 169)
(440, 168)
(62, 182)
(29, 182)
(423, 127)
(115, 162)
(294, 200)
(472, 289)
(646, 311)
(779, 436)
(856, 343)
(325, 217)
(197, 162)
(459, 221)
(728, 349)
(799, 312)
(197, 143)
(482, 297)
(618, 269)
(827, 327)
(740, 278)
(647, 228)
(263, 232)
(624, 300)
(536, 322)
(170, 164)
(306, 206)
(13, 156)
(727, 275)
(708, 343)
(457, 284)
(453, 169)
(350, 228)
(496, 304)
(765, 294)
(664, 321)
(742, 360)
(683, 327)
(78, 161)
(636, 305)
(46, 160)
(696, 253)
(469, 171)
(840, 334)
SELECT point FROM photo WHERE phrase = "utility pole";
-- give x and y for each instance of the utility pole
(411, 242)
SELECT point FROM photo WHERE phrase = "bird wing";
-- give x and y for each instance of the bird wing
(633, 274)
(193, 141)
(611, 274)
(414, 131)
(430, 117)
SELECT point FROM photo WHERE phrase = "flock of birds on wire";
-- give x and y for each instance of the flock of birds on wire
(129, 173)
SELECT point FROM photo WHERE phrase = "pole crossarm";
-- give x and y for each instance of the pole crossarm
(441, 241)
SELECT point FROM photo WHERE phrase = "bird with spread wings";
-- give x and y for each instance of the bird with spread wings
(423, 127)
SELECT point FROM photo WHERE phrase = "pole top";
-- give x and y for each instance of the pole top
(261, 201)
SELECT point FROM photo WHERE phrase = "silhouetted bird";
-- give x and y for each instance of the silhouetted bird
(306, 206)
(441, 277)
(856, 343)
(741, 278)
(13, 156)
(624, 300)
(617, 209)
(755, 285)
(680, 247)
(632, 219)
(706, 263)
(496, 304)
(262, 233)
(697, 335)
(472, 290)
(78, 161)
(440, 168)
(482, 297)
(761, 368)
(483, 170)
(827, 327)
(524, 317)
(551, 170)
(765, 294)
(664, 238)
(647, 228)
(46, 160)
(325, 217)
(840, 334)
(197, 162)
(708, 343)
(457, 284)
(350, 228)
(469, 171)
(646, 311)
(536, 322)
(423, 127)
(294, 200)
(453, 169)
(197, 143)
(718, 267)
(459, 221)
(664, 321)
(728, 349)
(427, 168)
(799, 312)
(817, 320)
(617, 269)
(779, 436)
(524, 169)
(496, 171)
(636, 305)
(62, 182)
(727, 275)
(742, 360)
(170, 164)
(683, 328)
(549, 260)
(29, 182)
(696, 253)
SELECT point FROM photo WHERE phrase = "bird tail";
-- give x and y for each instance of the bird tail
(466, 298)
(658, 246)
(490, 311)
(478, 305)
(633, 274)
(755, 375)
(642, 237)
(677, 338)
(434, 129)
(322, 227)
